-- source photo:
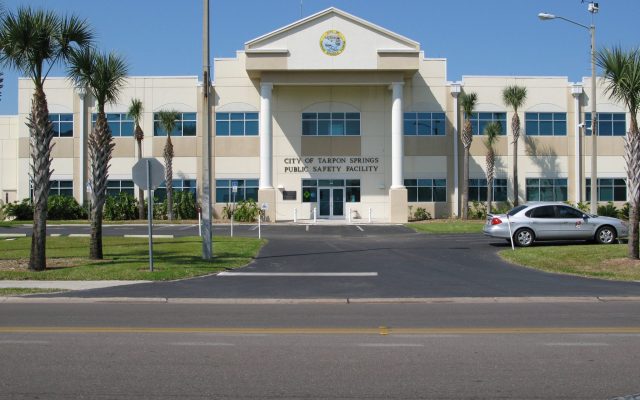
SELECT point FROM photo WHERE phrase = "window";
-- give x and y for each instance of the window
(609, 189)
(568, 212)
(309, 190)
(546, 189)
(61, 188)
(119, 123)
(62, 124)
(353, 190)
(480, 120)
(609, 124)
(115, 187)
(237, 124)
(542, 212)
(178, 185)
(247, 189)
(331, 124)
(185, 125)
(546, 124)
(424, 124)
(426, 190)
(478, 190)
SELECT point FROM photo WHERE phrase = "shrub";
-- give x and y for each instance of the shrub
(20, 211)
(502, 207)
(246, 211)
(477, 210)
(624, 212)
(608, 210)
(121, 207)
(159, 209)
(64, 207)
(184, 205)
(421, 214)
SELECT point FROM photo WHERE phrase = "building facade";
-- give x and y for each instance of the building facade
(335, 117)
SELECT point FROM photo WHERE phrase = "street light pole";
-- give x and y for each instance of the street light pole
(592, 8)
(207, 243)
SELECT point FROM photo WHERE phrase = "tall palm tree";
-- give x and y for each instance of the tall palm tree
(32, 42)
(621, 74)
(468, 103)
(492, 133)
(103, 75)
(135, 111)
(514, 96)
(168, 123)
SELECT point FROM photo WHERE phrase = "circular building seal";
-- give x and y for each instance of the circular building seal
(332, 43)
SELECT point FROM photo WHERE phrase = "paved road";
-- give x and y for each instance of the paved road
(373, 262)
(443, 351)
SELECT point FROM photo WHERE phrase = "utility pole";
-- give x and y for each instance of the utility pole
(207, 239)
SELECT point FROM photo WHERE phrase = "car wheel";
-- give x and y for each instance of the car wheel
(524, 237)
(606, 235)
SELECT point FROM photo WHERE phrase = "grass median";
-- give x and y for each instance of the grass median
(445, 226)
(588, 260)
(125, 258)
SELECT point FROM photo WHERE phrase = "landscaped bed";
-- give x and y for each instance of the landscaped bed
(125, 258)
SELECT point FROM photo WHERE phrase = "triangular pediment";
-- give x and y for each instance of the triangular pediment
(331, 39)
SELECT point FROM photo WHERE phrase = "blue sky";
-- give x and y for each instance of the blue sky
(489, 37)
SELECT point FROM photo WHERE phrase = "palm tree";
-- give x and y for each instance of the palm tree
(103, 75)
(621, 70)
(135, 112)
(32, 42)
(492, 132)
(468, 103)
(514, 97)
(168, 123)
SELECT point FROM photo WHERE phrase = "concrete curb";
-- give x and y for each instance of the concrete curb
(249, 301)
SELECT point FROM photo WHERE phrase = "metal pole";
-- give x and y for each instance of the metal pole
(200, 223)
(259, 226)
(207, 239)
(232, 225)
(150, 215)
(594, 125)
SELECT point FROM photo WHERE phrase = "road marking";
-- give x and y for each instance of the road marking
(187, 227)
(359, 227)
(390, 345)
(577, 344)
(253, 228)
(55, 234)
(9, 235)
(325, 331)
(307, 228)
(324, 274)
(213, 344)
(146, 236)
(24, 342)
(79, 235)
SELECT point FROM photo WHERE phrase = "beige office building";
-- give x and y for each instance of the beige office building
(335, 116)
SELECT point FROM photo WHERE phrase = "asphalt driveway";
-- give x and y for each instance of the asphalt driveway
(372, 262)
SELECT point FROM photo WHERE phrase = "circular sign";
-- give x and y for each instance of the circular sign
(332, 43)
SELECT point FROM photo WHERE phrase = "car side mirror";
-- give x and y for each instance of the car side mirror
(585, 216)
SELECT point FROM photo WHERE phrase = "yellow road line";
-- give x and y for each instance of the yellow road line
(382, 330)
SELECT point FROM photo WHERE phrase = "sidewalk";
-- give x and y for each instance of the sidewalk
(67, 285)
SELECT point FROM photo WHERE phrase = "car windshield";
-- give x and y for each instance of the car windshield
(516, 210)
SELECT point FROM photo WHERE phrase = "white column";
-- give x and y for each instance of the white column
(456, 88)
(397, 140)
(82, 93)
(576, 92)
(266, 137)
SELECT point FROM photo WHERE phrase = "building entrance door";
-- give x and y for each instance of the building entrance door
(331, 202)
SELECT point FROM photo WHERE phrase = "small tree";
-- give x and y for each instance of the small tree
(515, 96)
(492, 132)
(103, 75)
(168, 123)
(468, 103)
(135, 111)
(621, 70)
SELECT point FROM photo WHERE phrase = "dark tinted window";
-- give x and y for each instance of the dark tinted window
(516, 210)
(568, 212)
(543, 212)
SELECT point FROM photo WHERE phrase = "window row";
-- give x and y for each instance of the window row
(310, 189)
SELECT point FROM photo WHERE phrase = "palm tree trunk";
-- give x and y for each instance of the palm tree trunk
(465, 185)
(100, 147)
(515, 172)
(41, 134)
(168, 161)
(140, 191)
(489, 194)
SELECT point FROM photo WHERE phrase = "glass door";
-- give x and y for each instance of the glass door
(331, 202)
(324, 202)
(337, 197)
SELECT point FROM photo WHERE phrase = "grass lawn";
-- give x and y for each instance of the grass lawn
(22, 291)
(448, 226)
(104, 222)
(589, 260)
(125, 258)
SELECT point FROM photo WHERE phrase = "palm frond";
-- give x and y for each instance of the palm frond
(621, 74)
(514, 96)
(168, 120)
(468, 103)
(135, 110)
(492, 132)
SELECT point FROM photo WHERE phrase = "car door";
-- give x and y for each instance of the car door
(544, 221)
(574, 226)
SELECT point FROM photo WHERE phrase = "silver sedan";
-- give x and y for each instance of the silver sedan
(553, 221)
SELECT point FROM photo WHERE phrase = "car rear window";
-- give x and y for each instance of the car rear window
(516, 210)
